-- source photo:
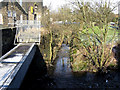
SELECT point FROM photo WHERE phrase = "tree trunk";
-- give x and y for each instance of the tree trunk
(50, 45)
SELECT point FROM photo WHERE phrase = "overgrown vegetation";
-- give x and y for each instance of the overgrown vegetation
(52, 39)
(85, 27)
(95, 42)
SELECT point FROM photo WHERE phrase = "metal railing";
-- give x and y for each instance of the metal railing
(28, 31)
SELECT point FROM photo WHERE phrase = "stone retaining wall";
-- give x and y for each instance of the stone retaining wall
(6, 40)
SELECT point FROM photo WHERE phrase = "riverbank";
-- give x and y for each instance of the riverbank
(91, 49)
(64, 77)
(50, 44)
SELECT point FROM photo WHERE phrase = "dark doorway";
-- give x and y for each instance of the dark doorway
(35, 16)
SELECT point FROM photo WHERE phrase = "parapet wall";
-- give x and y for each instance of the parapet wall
(7, 36)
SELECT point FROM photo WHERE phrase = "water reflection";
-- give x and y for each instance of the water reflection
(65, 78)
(62, 67)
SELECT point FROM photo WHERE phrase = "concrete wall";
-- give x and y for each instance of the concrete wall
(6, 40)
(0, 43)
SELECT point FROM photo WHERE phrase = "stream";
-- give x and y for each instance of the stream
(62, 76)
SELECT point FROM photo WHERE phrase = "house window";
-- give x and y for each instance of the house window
(21, 18)
(1, 19)
(9, 14)
(35, 16)
(14, 13)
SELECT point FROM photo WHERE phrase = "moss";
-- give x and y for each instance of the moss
(74, 51)
(71, 59)
(80, 65)
(112, 65)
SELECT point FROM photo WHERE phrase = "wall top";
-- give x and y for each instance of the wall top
(21, 0)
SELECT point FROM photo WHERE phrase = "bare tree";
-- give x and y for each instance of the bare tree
(95, 46)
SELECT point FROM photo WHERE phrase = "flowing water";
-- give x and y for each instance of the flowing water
(62, 76)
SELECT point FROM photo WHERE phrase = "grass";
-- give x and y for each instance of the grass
(97, 48)
(110, 33)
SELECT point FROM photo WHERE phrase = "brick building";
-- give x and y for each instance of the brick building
(10, 12)
(13, 10)
(34, 9)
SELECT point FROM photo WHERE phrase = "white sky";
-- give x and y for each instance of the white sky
(54, 3)
(57, 3)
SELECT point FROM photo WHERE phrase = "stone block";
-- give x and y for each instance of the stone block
(7, 37)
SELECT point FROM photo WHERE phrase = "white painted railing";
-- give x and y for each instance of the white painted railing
(28, 31)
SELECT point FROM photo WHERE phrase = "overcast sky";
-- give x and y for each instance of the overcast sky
(54, 3)
(57, 3)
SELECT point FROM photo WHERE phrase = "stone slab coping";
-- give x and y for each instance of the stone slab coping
(11, 62)
(2, 28)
